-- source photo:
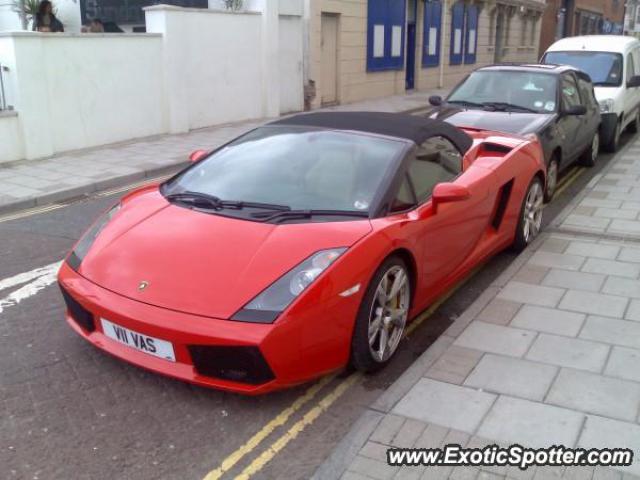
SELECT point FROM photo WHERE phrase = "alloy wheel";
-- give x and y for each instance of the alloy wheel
(388, 314)
(532, 212)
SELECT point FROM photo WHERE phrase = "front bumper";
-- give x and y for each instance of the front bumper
(188, 334)
(608, 123)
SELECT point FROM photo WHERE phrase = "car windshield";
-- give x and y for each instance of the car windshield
(604, 68)
(294, 167)
(507, 89)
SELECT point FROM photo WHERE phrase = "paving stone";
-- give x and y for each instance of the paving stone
(484, 475)
(353, 476)
(531, 274)
(593, 393)
(513, 420)
(554, 245)
(587, 222)
(374, 450)
(444, 404)
(548, 473)
(432, 437)
(624, 363)
(611, 267)
(409, 473)
(608, 330)
(578, 473)
(372, 468)
(611, 188)
(630, 205)
(531, 294)
(550, 320)
(515, 377)
(574, 280)
(626, 227)
(582, 210)
(387, 429)
(464, 473)
(557, 260)
(615, 213)
(600, 203)
(600, 432)
(408, 433)
(569, 352)
(628, 254)
(633, 311)
(606, 473)
(496, 339)
(514, 473)
(455, 364)
(499, 311)
(592, 249)
(594, 303)
(624, 287)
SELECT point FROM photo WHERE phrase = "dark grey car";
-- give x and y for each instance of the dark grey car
(557, 103)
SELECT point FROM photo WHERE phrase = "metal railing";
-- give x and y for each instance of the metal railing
(3, 95)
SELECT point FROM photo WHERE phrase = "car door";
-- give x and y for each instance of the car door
(448, 235)
(569, 125)
(591, 120)
(631, 95)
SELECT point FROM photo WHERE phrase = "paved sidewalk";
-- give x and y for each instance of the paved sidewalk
(549, 354)
(29, 183)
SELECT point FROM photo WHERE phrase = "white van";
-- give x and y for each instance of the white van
(613, 63)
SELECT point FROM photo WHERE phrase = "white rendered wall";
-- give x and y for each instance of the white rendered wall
(11, 141)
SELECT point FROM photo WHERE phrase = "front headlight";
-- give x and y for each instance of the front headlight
(266, 307)
(606, 106)
(83, 246)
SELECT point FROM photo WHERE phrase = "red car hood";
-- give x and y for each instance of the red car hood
(199, 263)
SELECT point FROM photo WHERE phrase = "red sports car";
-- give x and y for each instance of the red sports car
(300, 247)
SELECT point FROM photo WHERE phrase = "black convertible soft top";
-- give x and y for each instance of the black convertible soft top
(401, 125)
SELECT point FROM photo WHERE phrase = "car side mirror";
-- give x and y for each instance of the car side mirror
(435, 100)
(197, 155)
(448, 193)
(634, 82)
(575, 110)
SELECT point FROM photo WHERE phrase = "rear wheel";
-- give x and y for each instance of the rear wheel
(590, 155)
(634, 127)
(530, 221)
(552, 178)
(382, 316)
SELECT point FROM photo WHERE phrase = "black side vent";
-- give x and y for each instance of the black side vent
(503, 201)
(238, 364)
(494, 149)
(81, 315)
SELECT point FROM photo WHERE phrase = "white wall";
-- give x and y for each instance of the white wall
(11, 141)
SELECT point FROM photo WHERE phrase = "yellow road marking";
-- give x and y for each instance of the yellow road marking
(228, 463)
(142, 183)
(267, 455)
(30, 212)
(568, 181)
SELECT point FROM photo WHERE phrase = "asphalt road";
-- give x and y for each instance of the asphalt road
(68, 411)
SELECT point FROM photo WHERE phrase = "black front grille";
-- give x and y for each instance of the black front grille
(80, 315)
(238, 364)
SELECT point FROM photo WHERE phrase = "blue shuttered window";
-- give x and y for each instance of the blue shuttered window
(431, 34)
(471, 35)
(385, 35)
(457, 34)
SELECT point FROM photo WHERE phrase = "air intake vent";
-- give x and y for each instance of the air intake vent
(78, 313)
(237, 364)
(493, 149)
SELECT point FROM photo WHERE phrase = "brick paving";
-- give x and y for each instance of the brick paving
(29, 183)
(550, 354)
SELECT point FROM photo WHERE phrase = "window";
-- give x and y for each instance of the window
(586, 92)
(630, 67)
(570, 96)
(457, 27)
(523, 31)
(604, 68)
(471, 38)
(431, 34)
(437, 160)
(405, 199)
(385, 35)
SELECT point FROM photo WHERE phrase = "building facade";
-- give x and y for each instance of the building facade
(360, 49)
(565, 18)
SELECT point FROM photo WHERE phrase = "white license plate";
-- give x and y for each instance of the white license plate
(143, 343)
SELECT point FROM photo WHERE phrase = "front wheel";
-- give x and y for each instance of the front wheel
(590, 155)
(382, 316)
(530, 221)
(612, 146)
(634, 127)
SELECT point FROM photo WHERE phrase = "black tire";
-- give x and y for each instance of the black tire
(634, 127)
(590, 155)
(552, 178)
(522, 238)
(614, 142)
(362, 358)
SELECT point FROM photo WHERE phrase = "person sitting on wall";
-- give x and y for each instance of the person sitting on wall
(96, 26)
(45, 20)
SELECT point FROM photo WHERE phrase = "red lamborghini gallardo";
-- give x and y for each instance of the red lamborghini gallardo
(300, 247)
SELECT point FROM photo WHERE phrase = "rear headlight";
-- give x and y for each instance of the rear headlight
(266, 307)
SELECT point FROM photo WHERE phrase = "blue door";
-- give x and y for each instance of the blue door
(411, 56)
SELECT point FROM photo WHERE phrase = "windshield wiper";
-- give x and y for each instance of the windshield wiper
(466, 103)
(285, 215)
(205, 200)
(505, 106)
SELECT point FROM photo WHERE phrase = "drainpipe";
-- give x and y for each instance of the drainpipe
(443, 35)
